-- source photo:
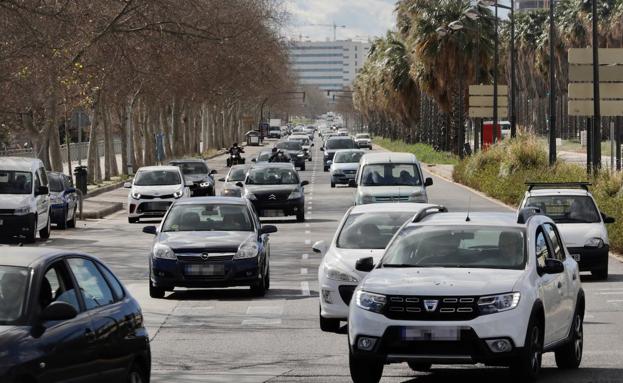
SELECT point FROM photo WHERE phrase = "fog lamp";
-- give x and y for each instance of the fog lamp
(326, 296)
(366, 343)
(499, 345)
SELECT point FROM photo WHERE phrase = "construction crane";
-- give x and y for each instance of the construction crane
(334, 26)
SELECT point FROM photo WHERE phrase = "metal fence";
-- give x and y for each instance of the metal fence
(77, 151)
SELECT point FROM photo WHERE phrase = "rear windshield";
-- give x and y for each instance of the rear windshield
(13, 182)
(237, 174)
(371, 230)
(157, 178)
(272, 176)
(340, 144)
(567, 209)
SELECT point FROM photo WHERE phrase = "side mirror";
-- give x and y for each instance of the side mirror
(254, 160)
(239, 184)
(312, 144)
(59, 310)
(70, 190)
(320, 247)
(213, 171)
(43, 190)
(304, 183)
(150, 230)
(268, 229)
(428, 182)
(222, 179)
(352, 184)
(322, 149)
(552, 266)
(127, 185)
(607, 219)
(365, 264)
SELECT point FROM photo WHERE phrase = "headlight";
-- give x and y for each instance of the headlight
(295, 195)
(338, 275)
(300, 155)
(250, 196)
(417, 197)
(366, 198)
(248, 249)
(370, 301)
(178, 194)
(163, 252)
(205, 185)
(229, 192)
(498, 303)
(595, 242)
(22, 210)
(136, 195)
(56, 199)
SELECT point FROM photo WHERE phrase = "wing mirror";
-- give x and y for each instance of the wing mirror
(254, 160)
(239, 184)
(320, 247)
(58, 310)
(322, 149)
(352, 184)
(213, 171)
(150, 230)
(365, 264)
(428, 182)
(127, 185)
(43, 190)
(304, 183)
(552, 266)
(607, 219)
(268, 229)
(222, 179)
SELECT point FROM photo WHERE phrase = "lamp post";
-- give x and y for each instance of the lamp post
(552, 88)
(596, 98)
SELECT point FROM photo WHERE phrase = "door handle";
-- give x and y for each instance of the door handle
(89, 334)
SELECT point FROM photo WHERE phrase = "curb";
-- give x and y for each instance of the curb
(104, 189)
(113, 208)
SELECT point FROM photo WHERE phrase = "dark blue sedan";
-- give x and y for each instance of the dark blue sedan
(63, 200)
(210, 242)
(64, 317)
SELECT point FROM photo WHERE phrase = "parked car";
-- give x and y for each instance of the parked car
(197, 173)
(333, 144)
(363, 140)
(390, 177)
(581, 224)
(364, 231)
(235, 175)
(65, 317)
(63, 200)
(296, 152)
(464, 288)
(275, 188)
(344, 166)
(24, 199)
(210, 242)
(153, 190)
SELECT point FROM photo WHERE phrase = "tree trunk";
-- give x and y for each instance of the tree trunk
(93, 160)
(107, 145)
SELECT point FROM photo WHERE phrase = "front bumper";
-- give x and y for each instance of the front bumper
(364, 144)
(149, 208)
(168, 273)
(289, 207)
(335, 297)
(591, 258)
(16, 224)
(342, 178)
(57, 213)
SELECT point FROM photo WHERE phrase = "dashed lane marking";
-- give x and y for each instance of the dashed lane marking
(308, 241)
(305, 289)
(307, 231)
(261, 322)
(265, 310)
(305, 256)
(303, 271)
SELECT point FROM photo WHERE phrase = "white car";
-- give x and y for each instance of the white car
(581, 224)
(237, 174)
(390, 177)
(153, 190)
(363, 140)
(363, 232)
(344, 166)
(460, 288)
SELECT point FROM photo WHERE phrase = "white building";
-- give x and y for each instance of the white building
(526, 5)
(329, 65)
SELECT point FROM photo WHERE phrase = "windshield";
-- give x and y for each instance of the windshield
(363, 136)
(13, 286)
(290, 145)
(55, 182)
(340, 144)
(157, 178)
(347, 157)
(566, 209)
(452, 246)
(391, 175)
(12, 182)
(301, 140)
(208, 217)
(191, 168)
(371, 230)
(272, 176)
(263, 157)
(237, 174)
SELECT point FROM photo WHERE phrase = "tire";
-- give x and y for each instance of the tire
(528, 364)
(600, 274)
(72, 222)
(329, 324)
(332, 184)
(300, 216)
(421, 367)
(155, 292)
(365, 370)
(267, 279)
(136, 374)
(309, 159)
(326, 169)
(45, 232)
(259, 289)
(133, 219)
(569, 355)
(31, 237)
(303, 167)
(62, 225)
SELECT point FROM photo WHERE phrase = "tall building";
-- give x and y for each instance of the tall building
(526, 5)
(329, 65)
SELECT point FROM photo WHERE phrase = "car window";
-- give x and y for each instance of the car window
(191, 168)
(37, 181)
(370, 230)
(57, 286)
(13, 290)
(542, 251)
(208, 217)
(566, 209)
(554, 239)
(113, 282)
(340, 144)
(13, 182)
(95, 290)
(237, 174)
(347, 157)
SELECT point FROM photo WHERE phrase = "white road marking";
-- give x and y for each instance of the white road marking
(261, 322)
(265, 310)
(307, 231)
(307, 225)
(308, 241)
(615, 301)
(611, 293)
(303, 271)
(305, 256)
(305, 289)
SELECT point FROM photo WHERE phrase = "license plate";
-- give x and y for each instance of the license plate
(434, 333)
(205, 270)
(576, 257)
(272, 213)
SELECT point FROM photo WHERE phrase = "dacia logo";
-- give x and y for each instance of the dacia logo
(205, 256)
(272, 196)
(430, 305)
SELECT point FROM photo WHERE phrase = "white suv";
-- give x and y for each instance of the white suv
(457, 288)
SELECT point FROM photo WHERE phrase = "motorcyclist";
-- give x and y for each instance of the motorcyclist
(235, 153)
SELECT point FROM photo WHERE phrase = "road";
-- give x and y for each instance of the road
(228, 336)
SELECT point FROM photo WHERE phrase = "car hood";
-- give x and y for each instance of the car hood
(576, 234)
(437, 281)
(346, 258)
(218, 240)
(231, 185)
(160, 190)
(197, 178)
(345, 166)
(14, 201)
(378, 191)
(261, 189)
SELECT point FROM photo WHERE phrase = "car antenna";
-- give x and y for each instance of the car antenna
(469, 205)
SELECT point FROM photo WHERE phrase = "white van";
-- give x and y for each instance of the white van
(24, 198)
(390, 177)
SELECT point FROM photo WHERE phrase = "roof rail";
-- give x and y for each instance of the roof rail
(429, 211)
(552, 185)
(527, 212)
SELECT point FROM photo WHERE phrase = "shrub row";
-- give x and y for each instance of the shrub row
(424, 153)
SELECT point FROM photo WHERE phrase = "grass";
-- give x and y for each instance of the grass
(575, 146)
(424, 153)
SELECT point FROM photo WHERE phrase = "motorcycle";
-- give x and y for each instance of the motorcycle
(235, 159)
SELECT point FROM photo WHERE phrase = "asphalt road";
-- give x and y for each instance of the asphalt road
(228, 336)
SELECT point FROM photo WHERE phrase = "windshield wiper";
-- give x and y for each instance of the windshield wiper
(398, 265)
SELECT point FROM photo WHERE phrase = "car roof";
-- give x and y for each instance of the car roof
(156, 168)
(390, 207)
(212, 201)
(18, 163)
(553, 192)
(188, 160)
(28, 256)
(339, 138)
(349, 150)
(375, 158)
(284, 165)
(475, 219)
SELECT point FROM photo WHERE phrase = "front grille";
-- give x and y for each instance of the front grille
(7, 211)
(350, 171)
(198, 257)
(148, 207)
(271, 197)
(165, 196)
(446, 308)
(392, 199)
(346, 293)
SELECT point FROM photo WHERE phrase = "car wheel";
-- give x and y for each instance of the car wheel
(332, 184)
(136, 374)
(528, 364)
(72, 222)
(569, 356)
(133, 219)
(45, 232)
(31, 237)
(600, 274)
(259, 288)
(365, 370)
(421, 367)
(329, 324)
(62, 224)
(155, 292)
(300, 216)
(267, 279)
(326, 169)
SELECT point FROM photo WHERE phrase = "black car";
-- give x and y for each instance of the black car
(275, 187)
(197, 173)
(65, 317)
(334, 144)
(295, 151)
(63, 200)
(210, 242)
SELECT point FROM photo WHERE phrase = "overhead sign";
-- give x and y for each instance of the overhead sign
(482, 112)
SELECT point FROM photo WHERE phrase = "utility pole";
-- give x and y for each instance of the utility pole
(596, 100)
(513, 75)
(552, 88)
(495, 78)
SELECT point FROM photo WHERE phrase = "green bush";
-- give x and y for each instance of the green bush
(502, 171)
(424, 153)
